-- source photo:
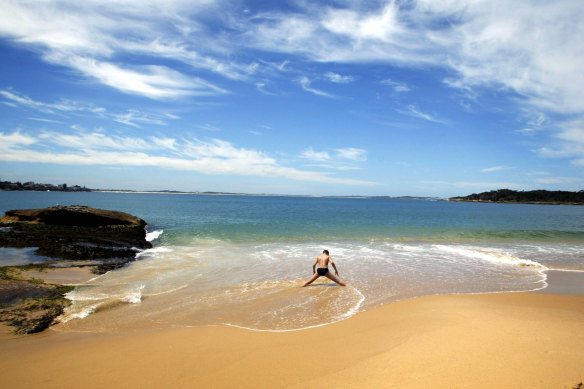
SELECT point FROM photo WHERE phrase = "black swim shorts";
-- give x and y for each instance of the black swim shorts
(322, 271)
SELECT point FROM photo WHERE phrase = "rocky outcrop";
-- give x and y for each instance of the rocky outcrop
(76, 233)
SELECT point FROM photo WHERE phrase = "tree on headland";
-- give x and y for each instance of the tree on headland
(533, 196)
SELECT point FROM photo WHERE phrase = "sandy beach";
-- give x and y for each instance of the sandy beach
(509, 340)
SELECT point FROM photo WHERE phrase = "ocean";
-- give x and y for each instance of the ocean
(241, 260)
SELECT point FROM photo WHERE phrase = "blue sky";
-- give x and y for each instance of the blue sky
(424, 98)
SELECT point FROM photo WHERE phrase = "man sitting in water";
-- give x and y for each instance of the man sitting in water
(323, 270)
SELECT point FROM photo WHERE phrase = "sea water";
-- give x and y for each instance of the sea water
(241, 260)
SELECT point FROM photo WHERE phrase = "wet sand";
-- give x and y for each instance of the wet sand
(509, 340)
(61, 275)
(564, 282)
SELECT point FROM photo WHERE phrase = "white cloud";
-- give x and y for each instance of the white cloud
(342, 159)
(416, 112)
(261, 86)
(209, 157)
(495, 169)
(532, 48)
(133, 116)
(208, 127)
(318, 156)
(397, 86)
(153, 81)
(353, 154)
(338, 79)
(305, 82)
(64, 106)
(86, 36)
(15, 140)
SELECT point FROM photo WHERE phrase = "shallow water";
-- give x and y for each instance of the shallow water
(241, 260)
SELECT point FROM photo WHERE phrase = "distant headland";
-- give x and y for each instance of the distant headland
(8, 185)
(525, 197)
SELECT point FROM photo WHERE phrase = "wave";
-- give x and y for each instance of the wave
(150, 236)
(490, 256)
(153, 252)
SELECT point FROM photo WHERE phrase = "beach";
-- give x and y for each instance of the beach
(506, 340)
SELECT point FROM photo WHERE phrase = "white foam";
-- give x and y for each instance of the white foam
(82, 314)
(133, 297)
(152, 252)
(489, 256)
(150, 236)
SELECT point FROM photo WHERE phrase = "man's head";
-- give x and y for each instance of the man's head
(325, 252)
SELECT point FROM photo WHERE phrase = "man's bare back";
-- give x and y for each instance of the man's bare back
(323, 261)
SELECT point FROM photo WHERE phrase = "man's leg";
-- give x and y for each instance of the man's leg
(335, 279)
(311, 280)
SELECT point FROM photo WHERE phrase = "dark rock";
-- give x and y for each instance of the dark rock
(74, 215)
(14, 291)
(75, 233)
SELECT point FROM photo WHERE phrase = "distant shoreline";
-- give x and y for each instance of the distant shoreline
(513, 202)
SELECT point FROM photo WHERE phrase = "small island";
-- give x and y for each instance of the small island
(525, 197)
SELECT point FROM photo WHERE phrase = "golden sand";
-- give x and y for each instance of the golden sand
(512, 340)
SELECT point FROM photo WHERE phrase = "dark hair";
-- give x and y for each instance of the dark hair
(325, 252)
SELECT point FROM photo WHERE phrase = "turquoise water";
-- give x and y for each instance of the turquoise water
(240, 260)
(252, 218)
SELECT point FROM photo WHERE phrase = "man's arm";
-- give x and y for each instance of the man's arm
(314, 266)
(334, 267)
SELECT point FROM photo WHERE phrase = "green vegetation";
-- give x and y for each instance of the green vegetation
(27, 314)
(33, 315)
(13, 273)
(533, 196)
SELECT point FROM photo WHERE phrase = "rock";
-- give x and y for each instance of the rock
(74, 215)
(76, 233)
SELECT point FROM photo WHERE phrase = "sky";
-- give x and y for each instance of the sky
(382, 98)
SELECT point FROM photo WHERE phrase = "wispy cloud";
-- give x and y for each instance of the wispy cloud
(208, 127)
(262, 87)
(153, 81)
(133, 117)
(416, 112)
(339, 79)
(305, 83)
(63, 107)
(318, 156)
(86, 37)
(483, 44)
(215, 156)
(338, 159)
(495, 169)
(397, 86)
(352, 154)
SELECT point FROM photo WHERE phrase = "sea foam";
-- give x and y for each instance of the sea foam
(490, 256)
